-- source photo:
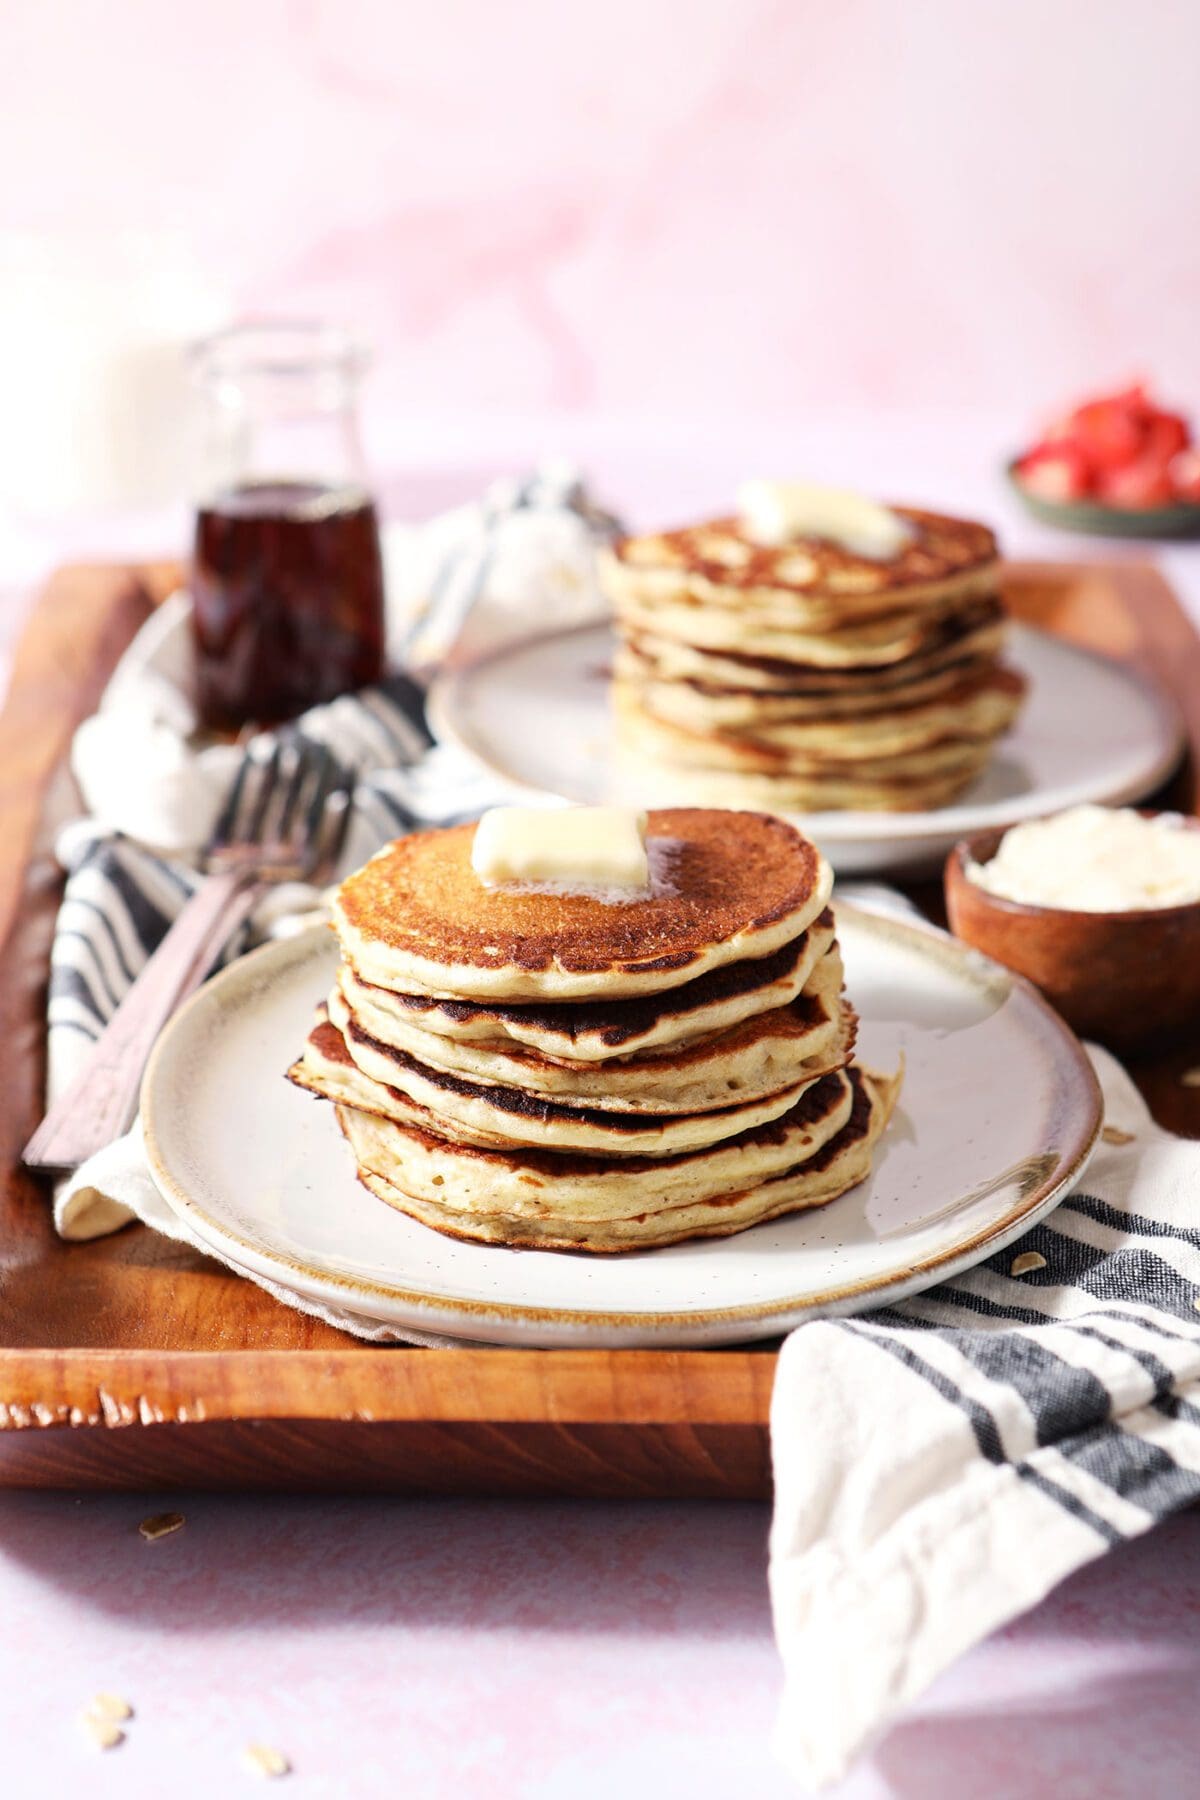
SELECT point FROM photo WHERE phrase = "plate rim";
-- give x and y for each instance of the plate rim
(777, 1314)
(835, 826)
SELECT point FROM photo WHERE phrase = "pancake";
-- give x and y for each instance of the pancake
(328, 1070)
(725, 886)
(980, 707)
(566, 1070)
(879, 640)
(489, 1114)
(673, 1200)
(810, 582)
(530, 1184)
(801, 793)
(598, 1031)
(756, 755)
(743, 1062)
(976, 630)
(703, 705)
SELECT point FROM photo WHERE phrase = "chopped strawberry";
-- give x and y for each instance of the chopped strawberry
(1185, 475)
(1109, 432)
(1144, 483)
(1055, 471)
(1167, 436)
(1120, 448)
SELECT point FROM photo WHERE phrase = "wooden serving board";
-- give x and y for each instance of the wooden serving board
(134, 1362)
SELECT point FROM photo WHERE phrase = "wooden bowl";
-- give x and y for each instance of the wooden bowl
(1128, 979)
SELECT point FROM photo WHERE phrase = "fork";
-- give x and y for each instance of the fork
(275, 825)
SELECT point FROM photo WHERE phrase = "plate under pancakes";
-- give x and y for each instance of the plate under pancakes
(537, 716)
(257, 1169)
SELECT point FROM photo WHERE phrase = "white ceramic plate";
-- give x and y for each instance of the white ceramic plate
(536, 715)
(997, 1118)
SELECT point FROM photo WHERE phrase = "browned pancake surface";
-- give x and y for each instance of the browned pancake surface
(721, 552)
(721, 874)
(615, 1022)
(814, 1104)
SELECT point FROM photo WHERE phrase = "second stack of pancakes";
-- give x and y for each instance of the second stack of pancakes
(807, 677)
(554, 1070)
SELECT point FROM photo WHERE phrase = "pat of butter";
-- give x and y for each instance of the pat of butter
(1095, 859)
(600, 849)
(779, 512)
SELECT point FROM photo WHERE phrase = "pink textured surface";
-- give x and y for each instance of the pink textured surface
(664, 206)
(535, 1652)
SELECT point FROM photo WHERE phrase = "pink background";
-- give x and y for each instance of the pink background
(650, 208)
(687, 238)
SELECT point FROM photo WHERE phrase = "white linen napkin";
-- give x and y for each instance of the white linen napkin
(941, 1464)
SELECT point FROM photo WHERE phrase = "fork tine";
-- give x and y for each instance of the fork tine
(223, 829)
(300, 772)
(262, 800)
(331, 856)
(329, 777)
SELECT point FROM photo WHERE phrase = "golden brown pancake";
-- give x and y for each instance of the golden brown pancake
(695, 1077)
(553, 1218)
(975, 630)
(725, 886)
(509, 1178)
(743, 1062)
(598, 1031)
(473, 1112)
(795, 792)
(815, 583)
(979, 707)
(764, 754)
(873, 640)
(708, 705)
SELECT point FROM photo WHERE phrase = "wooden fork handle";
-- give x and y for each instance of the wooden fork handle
(102, 1101)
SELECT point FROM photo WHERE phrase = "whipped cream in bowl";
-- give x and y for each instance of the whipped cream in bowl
(1100, 909)
(1096, 859)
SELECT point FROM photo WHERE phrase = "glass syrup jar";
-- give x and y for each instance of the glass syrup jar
(286, 573)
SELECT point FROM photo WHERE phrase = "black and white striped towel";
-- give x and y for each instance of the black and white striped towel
(943, 1463)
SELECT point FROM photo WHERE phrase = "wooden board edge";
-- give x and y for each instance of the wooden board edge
(53, 1392)
(607, 1460)
(44, 1390)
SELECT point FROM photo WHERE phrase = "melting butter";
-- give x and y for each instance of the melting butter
(779, 512)
(1096, 859)
(599, 850)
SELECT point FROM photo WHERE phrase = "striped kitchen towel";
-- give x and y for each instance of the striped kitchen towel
(941, 1464)
(152, 795)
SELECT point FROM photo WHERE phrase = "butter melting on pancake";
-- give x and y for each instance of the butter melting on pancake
(416, 919)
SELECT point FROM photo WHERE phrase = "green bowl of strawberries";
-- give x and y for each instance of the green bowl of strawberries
(1118, 465)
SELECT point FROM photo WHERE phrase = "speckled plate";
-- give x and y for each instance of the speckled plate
(535, 714)
(997, 1118)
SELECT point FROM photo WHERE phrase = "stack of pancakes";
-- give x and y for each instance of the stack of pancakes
(556, 1070)
(805, 676)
